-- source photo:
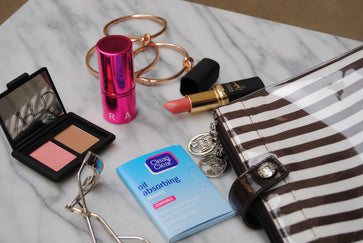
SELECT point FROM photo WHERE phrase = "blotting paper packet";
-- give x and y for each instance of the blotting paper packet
(174, 192)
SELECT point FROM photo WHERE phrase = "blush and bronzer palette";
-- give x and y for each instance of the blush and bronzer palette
(42, 134)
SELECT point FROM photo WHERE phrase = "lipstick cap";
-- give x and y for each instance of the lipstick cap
(200, 78)
(116, 68)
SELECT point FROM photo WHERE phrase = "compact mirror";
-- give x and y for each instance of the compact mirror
(29, 104)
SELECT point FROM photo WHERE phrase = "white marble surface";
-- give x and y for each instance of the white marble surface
(57, 34)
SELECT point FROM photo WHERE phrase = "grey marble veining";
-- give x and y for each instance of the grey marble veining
(58, 34)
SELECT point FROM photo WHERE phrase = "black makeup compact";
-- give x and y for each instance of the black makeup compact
(41, 133)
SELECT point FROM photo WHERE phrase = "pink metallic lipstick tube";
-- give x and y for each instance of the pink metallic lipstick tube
(116, 68)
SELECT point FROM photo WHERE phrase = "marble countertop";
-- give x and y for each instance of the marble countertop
(58, 34)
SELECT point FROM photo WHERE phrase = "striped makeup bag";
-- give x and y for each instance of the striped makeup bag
(297, 149)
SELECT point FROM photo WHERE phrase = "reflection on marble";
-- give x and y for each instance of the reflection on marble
(58, 34)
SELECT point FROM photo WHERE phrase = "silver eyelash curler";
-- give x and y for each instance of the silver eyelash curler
(94, 164)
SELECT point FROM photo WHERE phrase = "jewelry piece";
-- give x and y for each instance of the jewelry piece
(214, 165)
(88, 56)
(202, 144)
(214, 161)
(91, 168)
(145, 43)
(144, 40)
(152, 64)
(187, 63)
(137, 16)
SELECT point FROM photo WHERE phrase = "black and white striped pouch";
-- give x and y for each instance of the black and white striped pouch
(297, 149)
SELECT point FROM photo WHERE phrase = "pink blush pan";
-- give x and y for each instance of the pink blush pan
(53, 156)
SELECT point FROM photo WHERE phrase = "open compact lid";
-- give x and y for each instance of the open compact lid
(29, 105)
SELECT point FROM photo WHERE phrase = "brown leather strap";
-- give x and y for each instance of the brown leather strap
(249, 186)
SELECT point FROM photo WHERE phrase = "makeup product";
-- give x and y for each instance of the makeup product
(116, 70)
(41, 133)
(221, 94)
(200, 78)
(88, 175)
(174, 192)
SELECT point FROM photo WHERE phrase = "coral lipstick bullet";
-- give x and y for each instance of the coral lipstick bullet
(178, 106)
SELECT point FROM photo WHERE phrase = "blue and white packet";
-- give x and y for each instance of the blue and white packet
(174, 192)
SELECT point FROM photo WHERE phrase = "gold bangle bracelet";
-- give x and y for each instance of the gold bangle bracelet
(138, 16)
(187, 64)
